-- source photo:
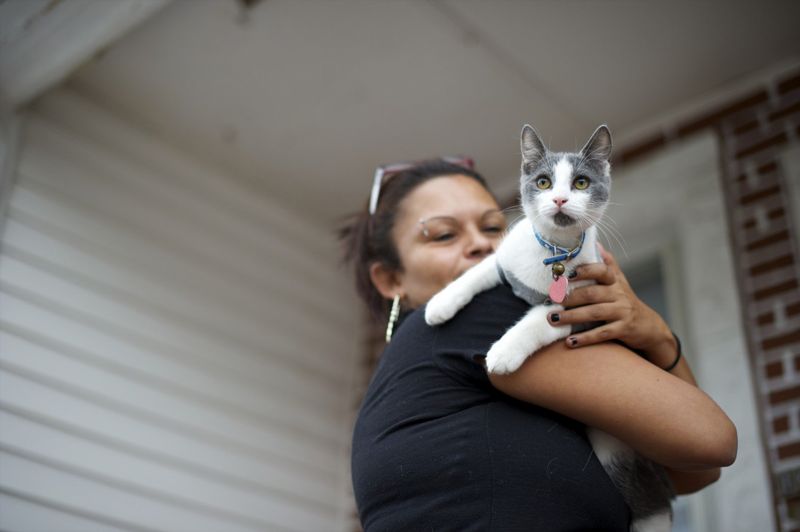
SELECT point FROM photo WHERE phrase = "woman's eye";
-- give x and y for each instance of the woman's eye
(581, 183)
(493, 229)
(543, 183)
(443, 237)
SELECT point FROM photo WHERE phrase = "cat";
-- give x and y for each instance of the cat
(563, 197)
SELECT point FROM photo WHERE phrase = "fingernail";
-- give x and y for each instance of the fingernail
(554, 317)
(572, 341)
(573, 274)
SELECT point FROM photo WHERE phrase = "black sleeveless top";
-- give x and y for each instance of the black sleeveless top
(436, 447)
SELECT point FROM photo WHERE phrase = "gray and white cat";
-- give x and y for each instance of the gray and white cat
(563, 196)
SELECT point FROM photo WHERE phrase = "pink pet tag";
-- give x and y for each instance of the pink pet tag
(558, 289)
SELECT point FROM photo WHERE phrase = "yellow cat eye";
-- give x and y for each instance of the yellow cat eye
(543, 183)
(581, 183)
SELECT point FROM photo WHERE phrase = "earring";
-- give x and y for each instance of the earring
(393, 315)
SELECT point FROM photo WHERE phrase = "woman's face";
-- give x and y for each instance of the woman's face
(443, 227)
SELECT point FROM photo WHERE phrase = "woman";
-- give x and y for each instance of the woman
(441, 445)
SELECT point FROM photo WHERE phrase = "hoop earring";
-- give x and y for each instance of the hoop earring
(393, 315)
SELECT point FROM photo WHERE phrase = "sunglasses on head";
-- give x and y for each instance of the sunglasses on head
(384, 172)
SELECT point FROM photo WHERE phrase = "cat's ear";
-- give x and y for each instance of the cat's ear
(599, 145)
(532, 148)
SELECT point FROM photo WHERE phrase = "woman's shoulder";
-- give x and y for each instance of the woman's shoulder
(480, 323)
(454, 348)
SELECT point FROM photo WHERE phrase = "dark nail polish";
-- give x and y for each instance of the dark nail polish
(571, 275)
(554, 317)
(572, 341)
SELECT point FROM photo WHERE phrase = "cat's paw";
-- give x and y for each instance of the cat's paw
(660, 522)
(509, 352)
(506, 356)
(444, 306)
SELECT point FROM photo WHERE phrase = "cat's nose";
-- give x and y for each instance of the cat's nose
(559, 201)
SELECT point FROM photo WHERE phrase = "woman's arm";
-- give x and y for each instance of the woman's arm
(609, 387)
(631, 321)
(684, 482)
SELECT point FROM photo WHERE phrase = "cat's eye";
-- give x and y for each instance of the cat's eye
(581, 182)
(543, 182)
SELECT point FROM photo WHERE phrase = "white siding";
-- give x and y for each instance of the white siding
(176, 350)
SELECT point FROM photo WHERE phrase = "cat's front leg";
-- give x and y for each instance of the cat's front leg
(457, 294)
(527, 336)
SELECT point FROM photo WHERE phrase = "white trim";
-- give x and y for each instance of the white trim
(10, 133)
(58, 38)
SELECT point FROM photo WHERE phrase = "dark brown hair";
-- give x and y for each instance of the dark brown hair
(367, 239)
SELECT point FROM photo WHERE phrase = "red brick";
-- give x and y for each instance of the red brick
(759, 195)
(745, 127)
(789, 84)
(777, 139)
(771, 215)
(765, 319)
(774, 290)
(774, 369)
(774, 264)
(711, 119)
(781, 340)
(789, 450)
(780, 424)
(781, 396)
(774, 238)
(768, 167)
(785, 111)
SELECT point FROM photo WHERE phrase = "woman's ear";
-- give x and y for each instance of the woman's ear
(387, 281)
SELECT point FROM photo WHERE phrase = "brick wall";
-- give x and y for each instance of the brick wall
(755, 131)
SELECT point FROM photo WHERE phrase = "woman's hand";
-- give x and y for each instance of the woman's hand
(613, 301)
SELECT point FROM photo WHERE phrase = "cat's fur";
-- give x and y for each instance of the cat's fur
(560, 214)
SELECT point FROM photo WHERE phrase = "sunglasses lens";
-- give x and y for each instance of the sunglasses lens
(387, 171)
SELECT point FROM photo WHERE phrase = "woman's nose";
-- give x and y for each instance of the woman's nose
(479, 245)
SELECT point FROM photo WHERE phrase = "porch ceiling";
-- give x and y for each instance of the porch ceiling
(304, 98)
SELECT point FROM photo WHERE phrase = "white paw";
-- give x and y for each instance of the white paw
(509, 352)
(503, 358)
(444, 306)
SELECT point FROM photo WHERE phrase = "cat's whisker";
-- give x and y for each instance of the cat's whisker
(610, 233)
(512, 209)
(607, 230)
(515, 220)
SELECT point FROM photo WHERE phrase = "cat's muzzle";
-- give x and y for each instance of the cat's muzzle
(563, 220)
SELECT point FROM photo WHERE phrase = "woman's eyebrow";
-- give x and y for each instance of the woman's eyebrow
(441, 217)
(455, 219)
(491, 211)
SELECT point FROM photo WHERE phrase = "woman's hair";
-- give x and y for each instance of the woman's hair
(367, 239)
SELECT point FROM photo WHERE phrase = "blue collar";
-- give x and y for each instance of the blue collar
(560, 254)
